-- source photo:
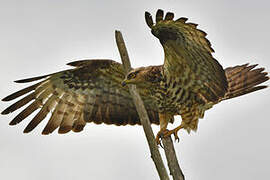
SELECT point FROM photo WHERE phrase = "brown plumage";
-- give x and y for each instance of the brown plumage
(92, 92)
(192, 80)
(189, 82)
(244, 79)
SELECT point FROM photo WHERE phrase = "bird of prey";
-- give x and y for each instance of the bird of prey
(189, 82)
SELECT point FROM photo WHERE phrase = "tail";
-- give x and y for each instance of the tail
(244, 79)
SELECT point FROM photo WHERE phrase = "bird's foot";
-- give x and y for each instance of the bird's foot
(174, 132)
(165, 133)
(160, 135)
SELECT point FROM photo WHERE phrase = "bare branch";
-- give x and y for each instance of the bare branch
(174, 167)
(155, 154)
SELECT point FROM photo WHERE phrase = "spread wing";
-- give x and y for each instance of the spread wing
(188, 59)
(91, 92)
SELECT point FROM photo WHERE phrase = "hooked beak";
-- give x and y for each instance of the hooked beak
(124, 83)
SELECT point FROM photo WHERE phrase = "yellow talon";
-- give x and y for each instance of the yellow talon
(174, 132)
(166, 133)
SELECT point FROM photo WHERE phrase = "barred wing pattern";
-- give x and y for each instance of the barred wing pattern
(91, 92)
(244, 79)
(188, 59)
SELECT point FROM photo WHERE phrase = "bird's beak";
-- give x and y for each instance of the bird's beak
(124, 83)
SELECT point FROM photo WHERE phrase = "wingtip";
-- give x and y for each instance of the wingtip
(12, 123)
(26, 130)
(64, 129)
(5, 99)
(160, 11)
(169, 16)
(159, 15)
(78, 128)
(32, 79)
(46, 131)
(18, 81)
(77, 63)
(5, 112)
(146, 13)
(23, 80)
(253, 66)
(148, 19)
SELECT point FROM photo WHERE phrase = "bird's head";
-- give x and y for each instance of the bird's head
(135, 76)
(142, 76)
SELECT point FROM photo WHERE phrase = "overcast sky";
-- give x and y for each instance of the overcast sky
(40, 36)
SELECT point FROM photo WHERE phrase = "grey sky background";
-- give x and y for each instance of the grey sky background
(39, 37)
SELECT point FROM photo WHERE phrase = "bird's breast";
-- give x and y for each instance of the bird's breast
(173, 98)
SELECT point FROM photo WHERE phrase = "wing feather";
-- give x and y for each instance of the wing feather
(56, 118)
(91, 92)
(79, 123)
(26, 112)
(21, 92)
(76, 124)
(188, 56)
(19, 103)
(39, 116)
(67, 121)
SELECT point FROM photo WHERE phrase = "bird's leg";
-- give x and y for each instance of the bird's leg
(174, 132)
(164, 120)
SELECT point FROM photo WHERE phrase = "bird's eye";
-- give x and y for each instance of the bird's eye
(131, 76)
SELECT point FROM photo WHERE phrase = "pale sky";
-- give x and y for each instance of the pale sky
(40, 36)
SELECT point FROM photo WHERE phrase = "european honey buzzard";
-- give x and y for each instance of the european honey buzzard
(189, 82)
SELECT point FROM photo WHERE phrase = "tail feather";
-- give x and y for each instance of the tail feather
(244, 79)
(253, 89)
(236, 69)
(250, 83)
(234, 73)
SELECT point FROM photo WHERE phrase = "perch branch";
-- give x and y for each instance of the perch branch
(155, 154)
(173, 164)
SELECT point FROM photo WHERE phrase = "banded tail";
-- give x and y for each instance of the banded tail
(244, 79)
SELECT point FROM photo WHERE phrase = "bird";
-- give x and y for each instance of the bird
(190, 82)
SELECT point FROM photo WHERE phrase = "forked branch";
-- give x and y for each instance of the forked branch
(162, 172)
(174, 168)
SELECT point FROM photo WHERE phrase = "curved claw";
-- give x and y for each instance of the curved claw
(176, 138)
(158, 140)
(160, 135)
(174, 132)
(165, 133)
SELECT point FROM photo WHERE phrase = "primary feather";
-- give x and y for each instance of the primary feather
(189, 82)
(89, 93)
